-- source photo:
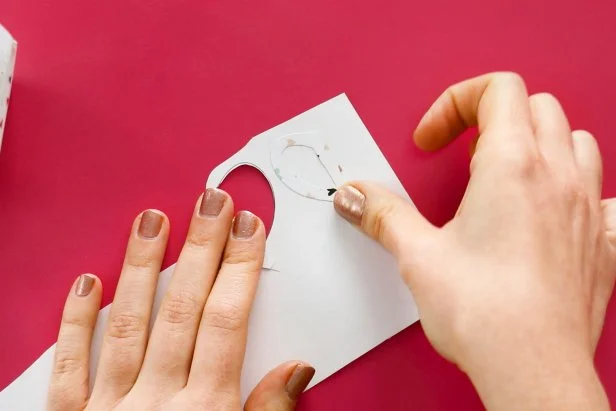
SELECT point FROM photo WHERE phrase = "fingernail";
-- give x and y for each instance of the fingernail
(299, 380)
(85, 283)
(349, 203)
(245, 225)
(212, 202)
(150, 225)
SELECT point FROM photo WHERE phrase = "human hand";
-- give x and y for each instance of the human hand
(514, 288)
(193, 358)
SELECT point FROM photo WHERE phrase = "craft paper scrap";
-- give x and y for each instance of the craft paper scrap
(8, 52)
(327, 293)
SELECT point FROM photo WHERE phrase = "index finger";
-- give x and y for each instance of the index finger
(493, 101)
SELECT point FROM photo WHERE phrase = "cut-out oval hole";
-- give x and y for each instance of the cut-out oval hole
(251, 191)
(303, 162)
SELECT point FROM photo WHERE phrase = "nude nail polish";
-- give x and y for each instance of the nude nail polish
(212, 202)
(349, 202)
(150, 225)
(299, 380)
(85, 283)
(245, 225)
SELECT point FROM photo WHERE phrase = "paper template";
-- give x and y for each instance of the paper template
(8, 52)
(327, 293)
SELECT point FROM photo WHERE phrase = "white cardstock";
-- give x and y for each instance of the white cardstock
(327, 293)
(8, 52)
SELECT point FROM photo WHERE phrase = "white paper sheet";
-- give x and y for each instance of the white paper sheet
(8, 52)
(327, 293)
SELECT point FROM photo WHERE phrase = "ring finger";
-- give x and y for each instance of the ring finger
(127, 328)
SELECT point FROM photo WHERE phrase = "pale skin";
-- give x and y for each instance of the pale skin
(513, 290)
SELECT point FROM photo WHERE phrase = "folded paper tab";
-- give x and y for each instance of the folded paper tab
(8, 50)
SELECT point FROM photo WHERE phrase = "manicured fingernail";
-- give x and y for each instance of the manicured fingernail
(151, 223)
(212, 202)
(299, 380)
(85, 283)
(245, 225)
(349, 203)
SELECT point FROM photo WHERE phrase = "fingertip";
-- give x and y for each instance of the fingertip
(150, 224)
(213, 202)
(423, 136)
(281, 388)
(247, 225)
(85, 294)
(152, 211)
(418, 133)
(422, 141)
(385, 216)
(349, 202)
(299, 380)
(442, 123)
(86, 284)
(498, 99)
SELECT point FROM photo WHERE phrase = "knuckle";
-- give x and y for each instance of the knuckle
(224, 317)
(608, 212)
(520, 161)
(587, 141)
(241, 256)
(575, 192)
(579, 134)
(66, 362)
(197, 242)
(140, 255)
(544, 98)
(180, 308)
(510, 77)
(75, 321)
(381, 220)
(125, 327)
(221, 400)
(142, 259)
(64, 397)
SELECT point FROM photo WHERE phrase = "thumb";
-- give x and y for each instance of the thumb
(386, 217)
(382, 215)
(280, 389)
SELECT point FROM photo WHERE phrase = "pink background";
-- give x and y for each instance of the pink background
(121, 105)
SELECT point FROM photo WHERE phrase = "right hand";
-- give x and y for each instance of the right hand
(514, 288)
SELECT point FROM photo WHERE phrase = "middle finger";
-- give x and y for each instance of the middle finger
(219, 351)
(173, 337)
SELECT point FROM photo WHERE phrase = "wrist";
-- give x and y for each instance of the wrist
(560, 378)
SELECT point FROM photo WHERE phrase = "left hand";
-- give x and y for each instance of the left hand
(193, 358)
